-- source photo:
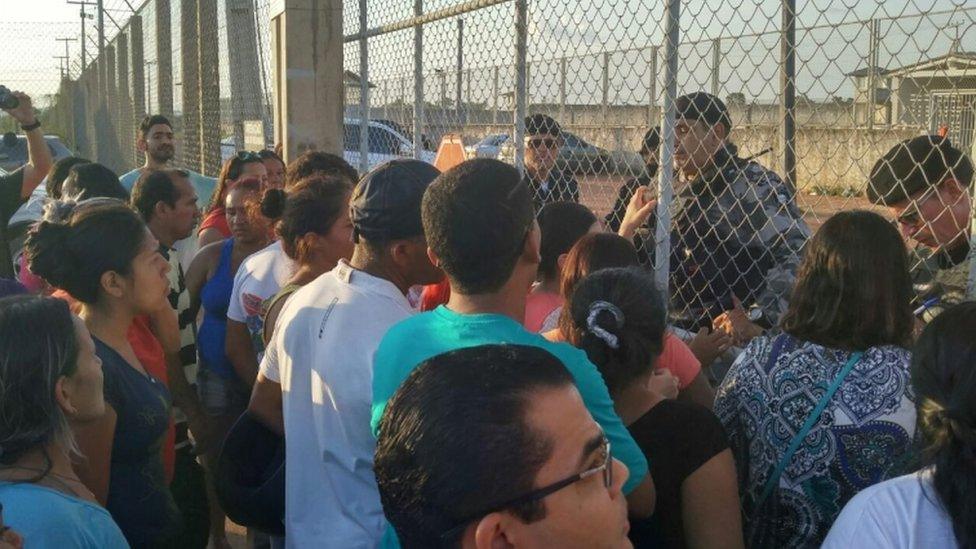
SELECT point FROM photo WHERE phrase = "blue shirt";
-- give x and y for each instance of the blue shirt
(203, 185)
(426, 335)
(48, 518)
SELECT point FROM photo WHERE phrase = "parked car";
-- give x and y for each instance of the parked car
(384, 144)
(13, 150)
(576, 155)
(427, 143)
(489, 147)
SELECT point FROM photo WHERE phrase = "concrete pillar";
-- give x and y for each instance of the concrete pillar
(210, 118)
(164, 59)
(244, 65)
(124, 104)
(307, 67)
(190, 77)
(138, 57)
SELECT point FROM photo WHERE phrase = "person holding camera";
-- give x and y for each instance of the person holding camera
(16, 188)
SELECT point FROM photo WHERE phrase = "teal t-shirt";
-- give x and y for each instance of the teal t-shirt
(203, 185)
(426, 335)
(48, 518)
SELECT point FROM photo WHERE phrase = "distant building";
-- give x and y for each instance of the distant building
(927, 95)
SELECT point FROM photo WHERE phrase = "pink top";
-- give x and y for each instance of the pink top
(538, 306)
(678, 359)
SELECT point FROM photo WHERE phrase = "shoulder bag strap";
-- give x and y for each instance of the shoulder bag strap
(805, 429)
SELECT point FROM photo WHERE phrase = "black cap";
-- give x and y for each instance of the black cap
(652, 140)
(914, 165)
(541, 124)
(705, 107)
(386, 203)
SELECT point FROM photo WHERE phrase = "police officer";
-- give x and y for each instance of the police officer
(926, 183)
(737, 232)
(548, 182)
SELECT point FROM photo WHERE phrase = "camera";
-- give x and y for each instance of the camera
(7, 99)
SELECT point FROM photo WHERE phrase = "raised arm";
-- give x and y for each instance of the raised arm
(39, 155)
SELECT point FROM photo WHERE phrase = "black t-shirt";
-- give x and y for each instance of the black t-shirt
(10, 200)
(677, 437)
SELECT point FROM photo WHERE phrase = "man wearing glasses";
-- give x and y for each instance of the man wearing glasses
(492, 446)
(548, 183)
(926, 183)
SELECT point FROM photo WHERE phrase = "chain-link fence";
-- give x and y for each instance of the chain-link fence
(816, 93)
(204, 64)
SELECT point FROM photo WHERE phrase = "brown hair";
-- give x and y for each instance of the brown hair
(591, 253)
(853, 289)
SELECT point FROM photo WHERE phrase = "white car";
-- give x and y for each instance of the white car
(489, 147)
(384, 143)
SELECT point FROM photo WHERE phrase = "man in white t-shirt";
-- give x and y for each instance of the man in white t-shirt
(315, 383)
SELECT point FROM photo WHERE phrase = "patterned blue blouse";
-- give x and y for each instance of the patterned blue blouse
(863, 437)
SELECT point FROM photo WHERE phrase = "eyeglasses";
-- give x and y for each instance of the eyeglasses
(542, 142)
(911, 215)
(248, 156)
(606, 468)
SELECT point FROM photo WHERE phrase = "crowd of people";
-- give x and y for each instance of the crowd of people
(473, 358)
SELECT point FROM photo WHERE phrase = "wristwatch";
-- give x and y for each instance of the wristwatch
(34, 126)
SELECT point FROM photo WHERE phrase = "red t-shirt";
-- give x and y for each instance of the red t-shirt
(150, 353)
(538, 307)
(217, 219)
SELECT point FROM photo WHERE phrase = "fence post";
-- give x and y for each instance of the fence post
(716, 59)
(307, 65)
(521, 77)
(971, 293)
(605, 95)
(418, 82)
(109, 154)
(125, 123)
(164, 59)
(138, 56)
(209, 79)
(190, 85)
(652, 87)
(363, 90)
(787, 86)
(460, 71)
(662, 230)
(494, 95)
(872, 72)
(562, 90)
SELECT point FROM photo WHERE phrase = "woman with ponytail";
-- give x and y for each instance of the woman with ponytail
(935, 507)
(617, 317)
(103, 255)
(316, 233)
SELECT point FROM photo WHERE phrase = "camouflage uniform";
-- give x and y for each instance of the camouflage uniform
(736, 231)
(942, 275)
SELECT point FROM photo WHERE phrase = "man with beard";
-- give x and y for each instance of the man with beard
(158, 142)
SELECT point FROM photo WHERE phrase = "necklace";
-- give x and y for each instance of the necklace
(50, 478)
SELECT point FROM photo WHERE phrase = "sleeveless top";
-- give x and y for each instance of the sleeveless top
(215, 299)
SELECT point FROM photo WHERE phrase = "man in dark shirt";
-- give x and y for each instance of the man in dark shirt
(17, 187)
(644, 238)
(548, 183)
(927, 185)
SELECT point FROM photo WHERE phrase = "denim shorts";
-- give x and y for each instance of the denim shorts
(222, 396)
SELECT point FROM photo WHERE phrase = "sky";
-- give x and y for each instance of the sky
(579, 29)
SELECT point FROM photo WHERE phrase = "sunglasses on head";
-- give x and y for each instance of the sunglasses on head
(248, 156)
